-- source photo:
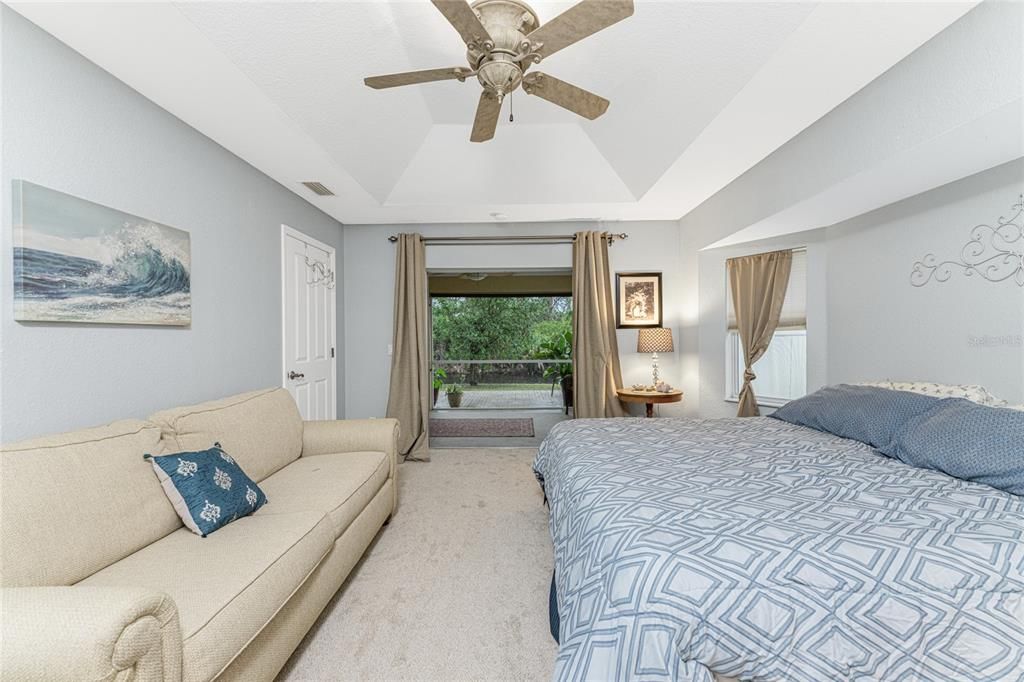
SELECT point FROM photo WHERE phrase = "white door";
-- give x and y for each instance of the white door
(308, 304)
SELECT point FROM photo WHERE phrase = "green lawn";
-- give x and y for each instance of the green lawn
(508, 387)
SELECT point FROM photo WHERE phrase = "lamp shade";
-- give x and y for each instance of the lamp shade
(654, 340)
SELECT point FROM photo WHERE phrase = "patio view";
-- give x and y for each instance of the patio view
(502, 352)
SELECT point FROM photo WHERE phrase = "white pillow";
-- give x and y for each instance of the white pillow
(974, 393)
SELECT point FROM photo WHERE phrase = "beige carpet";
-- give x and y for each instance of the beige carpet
(455, 588)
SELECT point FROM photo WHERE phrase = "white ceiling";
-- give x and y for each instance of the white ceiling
(700, 93)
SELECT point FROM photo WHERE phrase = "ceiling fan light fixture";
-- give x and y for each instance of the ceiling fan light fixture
(503, 39)
(500, 76)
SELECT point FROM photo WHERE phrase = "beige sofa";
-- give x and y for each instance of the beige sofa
(101, 581)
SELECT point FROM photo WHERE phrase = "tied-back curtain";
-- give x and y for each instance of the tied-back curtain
(409, 394)
(758, 285)
(595, 349)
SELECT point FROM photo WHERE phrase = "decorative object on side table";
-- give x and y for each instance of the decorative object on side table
(76, 261)
(660, 387)
(655, 340)
(637, 300)
(661, 394)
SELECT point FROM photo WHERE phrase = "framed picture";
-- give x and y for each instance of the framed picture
(637, 300)
(76, 261)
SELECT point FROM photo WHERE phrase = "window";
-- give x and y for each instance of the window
(782, 370)
(504, 352)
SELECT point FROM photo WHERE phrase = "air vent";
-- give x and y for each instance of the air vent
(319, 189)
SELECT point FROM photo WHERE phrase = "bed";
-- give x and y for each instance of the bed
(753, 548)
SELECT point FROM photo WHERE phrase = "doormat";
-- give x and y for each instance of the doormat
(482, 428)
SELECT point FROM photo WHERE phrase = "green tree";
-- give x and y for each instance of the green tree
(548, 331)
(495, 328)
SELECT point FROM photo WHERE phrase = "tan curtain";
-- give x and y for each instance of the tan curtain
(758, 286)
(595, 349)
(410, 392)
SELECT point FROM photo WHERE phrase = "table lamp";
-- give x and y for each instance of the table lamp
(654, 340)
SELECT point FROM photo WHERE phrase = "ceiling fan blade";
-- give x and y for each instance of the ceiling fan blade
(486, 121)
(393, 80)
(460, 15)
(565, 95)
(579, 21)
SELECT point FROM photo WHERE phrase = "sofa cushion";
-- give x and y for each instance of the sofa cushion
(229, 585)
(338, 485)
(208, 489)
(77, 502)
(262, 430)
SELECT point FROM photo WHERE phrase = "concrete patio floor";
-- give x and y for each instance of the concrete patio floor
(504, 400)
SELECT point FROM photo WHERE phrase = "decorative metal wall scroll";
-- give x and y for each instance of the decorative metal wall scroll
(995, 253)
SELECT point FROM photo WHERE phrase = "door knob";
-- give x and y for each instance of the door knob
(295, 375)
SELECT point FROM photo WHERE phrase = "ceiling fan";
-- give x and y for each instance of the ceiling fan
(503, 39)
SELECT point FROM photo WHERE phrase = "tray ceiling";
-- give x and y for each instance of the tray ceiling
(700, 92)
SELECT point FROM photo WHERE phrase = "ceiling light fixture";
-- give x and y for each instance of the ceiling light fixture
(503, 39)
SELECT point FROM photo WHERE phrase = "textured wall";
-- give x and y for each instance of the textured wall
(71, 126)
(965, 330)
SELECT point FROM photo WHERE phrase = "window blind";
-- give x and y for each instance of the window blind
(794, 308)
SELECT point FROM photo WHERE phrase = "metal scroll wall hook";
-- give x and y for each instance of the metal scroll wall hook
(319, 273)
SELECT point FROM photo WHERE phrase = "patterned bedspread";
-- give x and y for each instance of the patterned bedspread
(761, 550)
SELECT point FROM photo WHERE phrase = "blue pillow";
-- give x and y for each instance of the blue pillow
(968, 441)
(867, 414)
(208, 489)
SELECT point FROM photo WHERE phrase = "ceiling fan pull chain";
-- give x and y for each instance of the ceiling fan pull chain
(511, 116)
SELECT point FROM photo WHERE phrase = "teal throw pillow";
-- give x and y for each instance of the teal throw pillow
(208, 489)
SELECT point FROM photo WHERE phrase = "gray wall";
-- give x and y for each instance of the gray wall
(71, 126)
(866, 322)
(964, 331)
(369, 291)
(965, 73)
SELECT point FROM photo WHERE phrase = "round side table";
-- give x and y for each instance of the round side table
(649, 398)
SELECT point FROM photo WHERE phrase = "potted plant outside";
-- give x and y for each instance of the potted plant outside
(454, 395)
(566, 383)
(439, 375)
(560, 373)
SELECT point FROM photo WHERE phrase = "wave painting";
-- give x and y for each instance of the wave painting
(76, 261)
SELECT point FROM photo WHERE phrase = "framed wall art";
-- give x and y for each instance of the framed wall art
(77, 261)
(637, 300)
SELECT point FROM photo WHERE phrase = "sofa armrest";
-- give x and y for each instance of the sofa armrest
(88, 633)
(352, 435)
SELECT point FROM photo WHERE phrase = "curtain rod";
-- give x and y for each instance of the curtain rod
(534, 239)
